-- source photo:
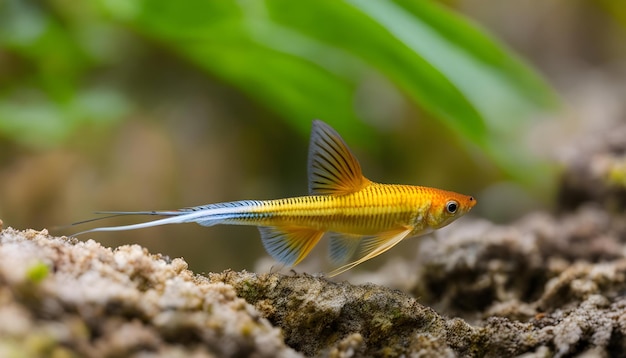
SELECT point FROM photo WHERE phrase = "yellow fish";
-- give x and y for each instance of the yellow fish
(361, 219)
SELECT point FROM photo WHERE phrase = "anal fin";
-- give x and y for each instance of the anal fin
(342, 247)
(289, 244)
(367, 247)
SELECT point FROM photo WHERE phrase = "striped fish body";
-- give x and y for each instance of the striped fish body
(374, 209)
(361, 219)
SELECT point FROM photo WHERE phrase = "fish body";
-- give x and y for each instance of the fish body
(361, 218)
(374, 209)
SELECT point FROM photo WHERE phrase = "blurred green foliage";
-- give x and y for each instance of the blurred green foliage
(615, 8)
(44, 62)
(303, 60)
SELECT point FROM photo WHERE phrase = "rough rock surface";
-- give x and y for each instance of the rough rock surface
(60, 296)
(319, 316)
(65, 298)
(595, 170)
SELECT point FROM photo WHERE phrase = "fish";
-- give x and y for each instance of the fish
(360, 218)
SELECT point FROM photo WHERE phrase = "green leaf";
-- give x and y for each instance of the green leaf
(303, 60)
(350, 29)
(306, 60)
(295, 75)
(449, 66)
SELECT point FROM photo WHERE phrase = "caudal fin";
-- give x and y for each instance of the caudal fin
(180, 218)
(113, 214)
(207, 215)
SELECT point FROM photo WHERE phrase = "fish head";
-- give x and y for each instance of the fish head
(448, 206)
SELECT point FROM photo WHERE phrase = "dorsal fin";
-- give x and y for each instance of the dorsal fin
(333, 169)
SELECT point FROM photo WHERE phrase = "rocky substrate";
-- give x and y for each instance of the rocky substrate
(540, 287)
(65, 298)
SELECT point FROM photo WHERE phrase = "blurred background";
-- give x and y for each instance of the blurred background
(142, 105)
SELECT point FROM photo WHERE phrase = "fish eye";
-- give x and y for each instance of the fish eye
(452, 206)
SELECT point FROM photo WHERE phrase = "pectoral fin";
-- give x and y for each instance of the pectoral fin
(367, 247)
(289, 245)
(333, 169)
